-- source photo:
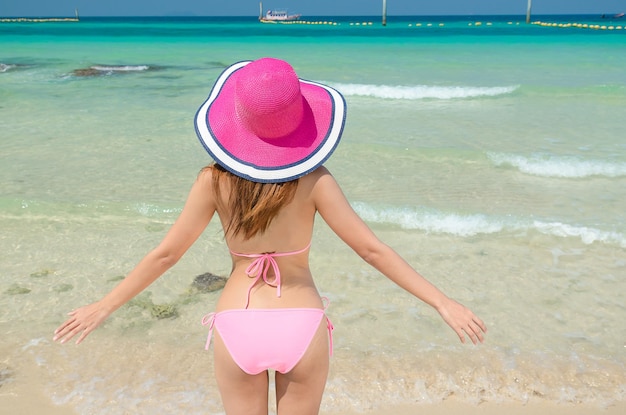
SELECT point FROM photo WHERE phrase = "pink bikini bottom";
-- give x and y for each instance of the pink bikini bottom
(262, 339)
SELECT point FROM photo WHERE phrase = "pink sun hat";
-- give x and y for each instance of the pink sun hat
(261, 122)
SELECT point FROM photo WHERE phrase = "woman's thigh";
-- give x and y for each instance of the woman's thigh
(300, 390)
(242, 394)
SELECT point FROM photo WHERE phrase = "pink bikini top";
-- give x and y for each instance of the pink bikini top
(261, 265)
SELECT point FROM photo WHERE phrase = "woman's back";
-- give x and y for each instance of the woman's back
(288, 238)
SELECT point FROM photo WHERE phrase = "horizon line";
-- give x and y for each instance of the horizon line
(611, 14)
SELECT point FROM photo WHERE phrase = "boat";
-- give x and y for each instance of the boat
(279, 16)
(616, 16)
(276, 16)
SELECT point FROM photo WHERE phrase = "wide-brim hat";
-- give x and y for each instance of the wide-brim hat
(261, 122)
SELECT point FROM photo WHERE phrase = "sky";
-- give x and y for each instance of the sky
(50, 8)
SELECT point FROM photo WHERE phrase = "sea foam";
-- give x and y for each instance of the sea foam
(430, 220)
(417, 92)
(6, 67)
(467, 225)
(558, 166)
(120, 68)
(586, 234)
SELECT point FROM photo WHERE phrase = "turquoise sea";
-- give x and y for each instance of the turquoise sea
(490, 153)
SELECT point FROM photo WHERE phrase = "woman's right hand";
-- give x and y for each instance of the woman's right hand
(81, 321)
(462, 320)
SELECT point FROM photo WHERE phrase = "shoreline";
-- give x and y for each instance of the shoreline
(29, 400)
(37, 382)
(452, 406)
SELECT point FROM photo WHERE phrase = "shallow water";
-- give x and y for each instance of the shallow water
(492, 158)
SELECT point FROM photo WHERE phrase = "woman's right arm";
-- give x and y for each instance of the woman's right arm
(195, 216)
(346, 223)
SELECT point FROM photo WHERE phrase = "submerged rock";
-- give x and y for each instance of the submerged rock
(208, 282)
(203, 283)
(42, 273)
(162, 311)
(100, 70)
(215, 64)
(6, 375)
(159, 311)
(17, 290)
(61, 288)
(155, 227)
(87, 72)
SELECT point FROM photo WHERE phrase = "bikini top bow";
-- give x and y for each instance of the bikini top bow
(261, 265)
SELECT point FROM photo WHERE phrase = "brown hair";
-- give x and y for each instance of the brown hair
(252, 205)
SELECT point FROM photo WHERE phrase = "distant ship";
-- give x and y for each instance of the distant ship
(273, 16)
(617, 16)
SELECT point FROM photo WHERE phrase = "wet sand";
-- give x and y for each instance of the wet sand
(450, 407)
(22, 401)
(25, 396)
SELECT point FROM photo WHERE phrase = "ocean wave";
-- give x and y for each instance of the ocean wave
(586, 234)
(5, 67)
(430, 220)
(418, 92)
(120, 68)
(467, 225)
(36, 210)
(151, 210)
(559, 166)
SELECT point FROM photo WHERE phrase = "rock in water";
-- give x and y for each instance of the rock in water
(162, 311)
(208, 282)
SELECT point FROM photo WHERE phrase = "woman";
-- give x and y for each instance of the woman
(269, 134)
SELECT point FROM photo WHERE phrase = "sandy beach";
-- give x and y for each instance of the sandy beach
(451, 407)
(32, 387)
(29, 389)
(20, 400)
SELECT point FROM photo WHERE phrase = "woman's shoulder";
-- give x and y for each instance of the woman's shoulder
(322, 177)
(316, 175)
(206, 173)
(206, 177)
(319, 184)
(205, 182)
(312, 180)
